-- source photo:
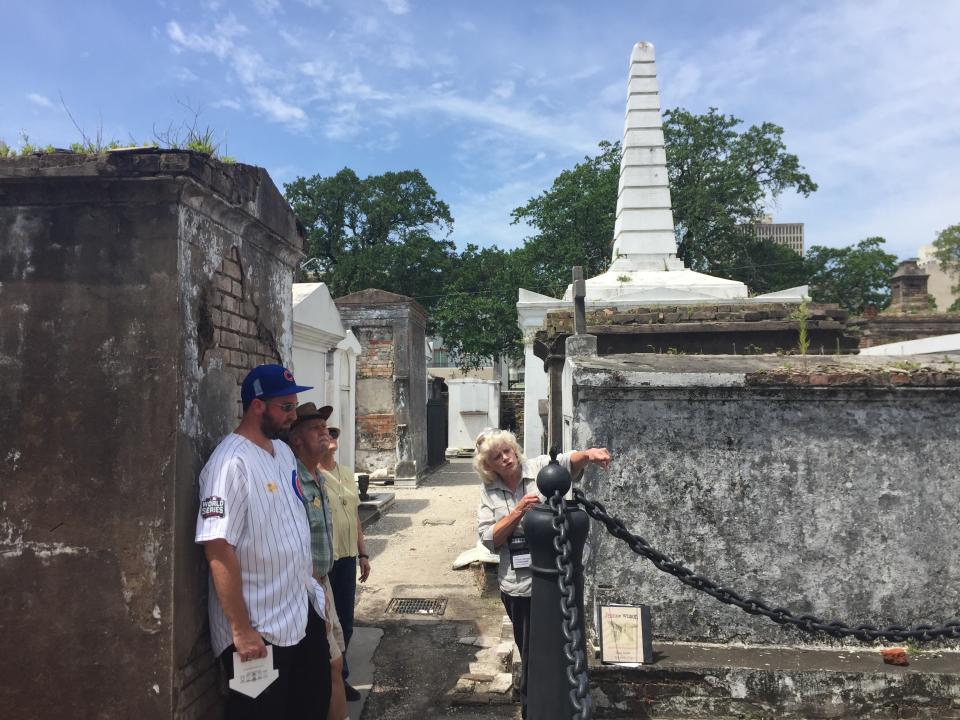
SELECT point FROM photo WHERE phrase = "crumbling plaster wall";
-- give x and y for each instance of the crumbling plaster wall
(391, 382)
(135, 290)
(828, 495)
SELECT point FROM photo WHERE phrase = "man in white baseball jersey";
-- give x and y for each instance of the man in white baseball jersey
(257, 541)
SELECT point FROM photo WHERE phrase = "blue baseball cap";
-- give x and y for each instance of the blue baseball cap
(268, 381)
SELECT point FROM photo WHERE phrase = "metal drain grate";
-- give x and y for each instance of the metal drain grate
(416, 606)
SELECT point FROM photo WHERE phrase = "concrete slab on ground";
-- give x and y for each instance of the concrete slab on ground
(375, 506)
(363, 645)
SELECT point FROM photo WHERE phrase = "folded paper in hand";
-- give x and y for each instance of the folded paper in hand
(253, 676)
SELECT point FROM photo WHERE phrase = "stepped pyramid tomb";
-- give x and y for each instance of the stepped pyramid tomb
(645, 270)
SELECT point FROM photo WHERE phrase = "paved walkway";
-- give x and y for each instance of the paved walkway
(418, 661)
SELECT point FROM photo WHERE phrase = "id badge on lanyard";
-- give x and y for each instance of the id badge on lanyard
(519, 551)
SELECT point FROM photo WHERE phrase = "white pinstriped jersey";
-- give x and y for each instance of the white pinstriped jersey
(248, 498)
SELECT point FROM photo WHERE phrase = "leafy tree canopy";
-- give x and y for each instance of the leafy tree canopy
(391, 231)
(573, 220)
(387, 231)
(854, 277)
(947, 248)
(765, 266)
(477, 317)
(947, 251)
(721, 179)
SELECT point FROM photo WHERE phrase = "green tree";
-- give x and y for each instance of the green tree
(574, 220)
(947, 251)
(387, 231)
(477, 315)
(721, 179)
(854, 277)
(764, 266)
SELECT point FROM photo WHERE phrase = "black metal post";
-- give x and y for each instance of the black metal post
(548, 689)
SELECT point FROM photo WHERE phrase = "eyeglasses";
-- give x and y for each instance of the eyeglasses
(284, 407)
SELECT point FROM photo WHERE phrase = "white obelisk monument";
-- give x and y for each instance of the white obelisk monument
(645, 269)
(645, 246)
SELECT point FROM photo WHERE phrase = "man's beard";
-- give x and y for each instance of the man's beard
(272, 430)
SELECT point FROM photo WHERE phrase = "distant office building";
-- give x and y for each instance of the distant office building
(787, 234)
(941, 283)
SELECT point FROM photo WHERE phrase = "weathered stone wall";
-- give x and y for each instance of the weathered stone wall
(889, 328)
(376, 411)
(136, 289)
(707, 329)
(391, 382)
(825, 489)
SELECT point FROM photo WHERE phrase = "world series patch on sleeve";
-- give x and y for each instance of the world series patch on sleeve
(212, 507)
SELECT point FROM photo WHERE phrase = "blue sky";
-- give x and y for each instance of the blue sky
(490, 100)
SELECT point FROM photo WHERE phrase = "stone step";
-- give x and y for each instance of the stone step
(706, 681)
(491, 677)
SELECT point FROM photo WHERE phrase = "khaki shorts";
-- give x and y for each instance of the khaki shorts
(334, 632)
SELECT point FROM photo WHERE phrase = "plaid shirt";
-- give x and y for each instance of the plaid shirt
(318, 513)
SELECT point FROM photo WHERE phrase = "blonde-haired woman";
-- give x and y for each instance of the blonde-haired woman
(509, 491)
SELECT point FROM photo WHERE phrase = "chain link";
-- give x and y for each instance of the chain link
(572, 625)
(755, 606)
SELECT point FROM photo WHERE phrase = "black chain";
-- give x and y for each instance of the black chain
(572, 622)
(754, 606)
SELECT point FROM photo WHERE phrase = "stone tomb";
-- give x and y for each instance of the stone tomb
(391, 384)
(818, 484)
(136, 290)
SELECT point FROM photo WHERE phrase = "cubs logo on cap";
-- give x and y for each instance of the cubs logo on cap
(268, 381)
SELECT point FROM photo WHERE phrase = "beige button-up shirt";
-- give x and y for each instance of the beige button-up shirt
(496, 502)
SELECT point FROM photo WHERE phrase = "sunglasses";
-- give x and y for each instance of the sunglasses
(284, 407)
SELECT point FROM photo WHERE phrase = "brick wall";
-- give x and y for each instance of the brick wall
(377, 358)
(234, 327)
(377, 432)
(882, 329)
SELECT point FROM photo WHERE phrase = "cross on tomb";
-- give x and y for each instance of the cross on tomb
(579, 301)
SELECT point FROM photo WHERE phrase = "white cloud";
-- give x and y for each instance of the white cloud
(503, 90)
(483, 218)
(41, 100)
(406, 57)
(217, 43)
(555, 131)
(228, 103)
(866, 93)
(276, 108)
(343, 122)
(249, 66)
(266, 7)
(352, 84)
(317, 69)
(186, 75)
(684, 83)
(397, 7)
(290, 39)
